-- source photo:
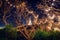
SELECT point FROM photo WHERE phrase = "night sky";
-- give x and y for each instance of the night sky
(31, 3)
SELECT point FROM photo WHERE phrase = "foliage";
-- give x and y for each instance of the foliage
(43, 35)
(54, 35)
(11, 32)
(40, 35)
(2, 34)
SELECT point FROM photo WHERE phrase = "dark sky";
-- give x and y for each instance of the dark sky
(31, 3)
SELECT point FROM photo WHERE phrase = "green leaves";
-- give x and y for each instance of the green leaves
(11, 31)
(43, 35)
(39, 34)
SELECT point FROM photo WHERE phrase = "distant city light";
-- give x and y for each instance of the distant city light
(52, 4)
(54, 0)
(48, 9)
(51, 17)
(11, 5)
(56, 29)
(30, 22)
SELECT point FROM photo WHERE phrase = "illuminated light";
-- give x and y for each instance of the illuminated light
(30, 22)
(51, 17)
(2, 27)
(49, 28)
(56, 29)
(8, 2)
(48, 9)
(36, 16)
(26, 9)
(22, 4)
(52, 4)
(11, 5)
(54, 0)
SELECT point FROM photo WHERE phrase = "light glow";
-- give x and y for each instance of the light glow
(30, 22)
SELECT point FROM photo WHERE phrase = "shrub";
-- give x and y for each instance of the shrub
(11, 32)
(54, 35)
(41, 35)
